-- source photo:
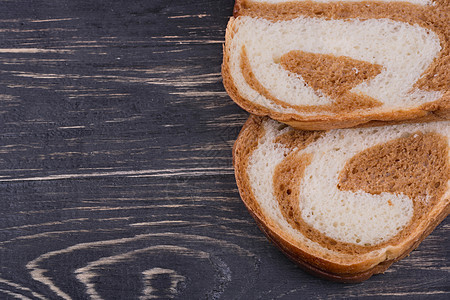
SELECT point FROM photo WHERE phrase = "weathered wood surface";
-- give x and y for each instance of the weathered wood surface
(115, 164)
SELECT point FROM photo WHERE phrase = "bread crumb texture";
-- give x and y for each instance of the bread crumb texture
(349, 191)
(339, 57)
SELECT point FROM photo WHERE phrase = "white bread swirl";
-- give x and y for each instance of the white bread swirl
(404, 51)
(361, 232)
(323, 65)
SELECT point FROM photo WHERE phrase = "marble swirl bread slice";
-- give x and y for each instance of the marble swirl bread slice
(333, 64)
(346, 203)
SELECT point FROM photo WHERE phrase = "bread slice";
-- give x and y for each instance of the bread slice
(346, 203)
(335, 64)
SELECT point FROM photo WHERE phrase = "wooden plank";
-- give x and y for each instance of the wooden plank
(116, 177)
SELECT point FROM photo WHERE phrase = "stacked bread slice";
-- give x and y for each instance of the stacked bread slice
(347, 202)
(331, 64)
(344, 203)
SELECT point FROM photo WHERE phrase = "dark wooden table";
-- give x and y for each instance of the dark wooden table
(115, 164)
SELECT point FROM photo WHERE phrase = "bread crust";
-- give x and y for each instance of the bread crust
(433, 111)
(350, 269)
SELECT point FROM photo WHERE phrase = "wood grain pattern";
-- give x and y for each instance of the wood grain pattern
(115, 164)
